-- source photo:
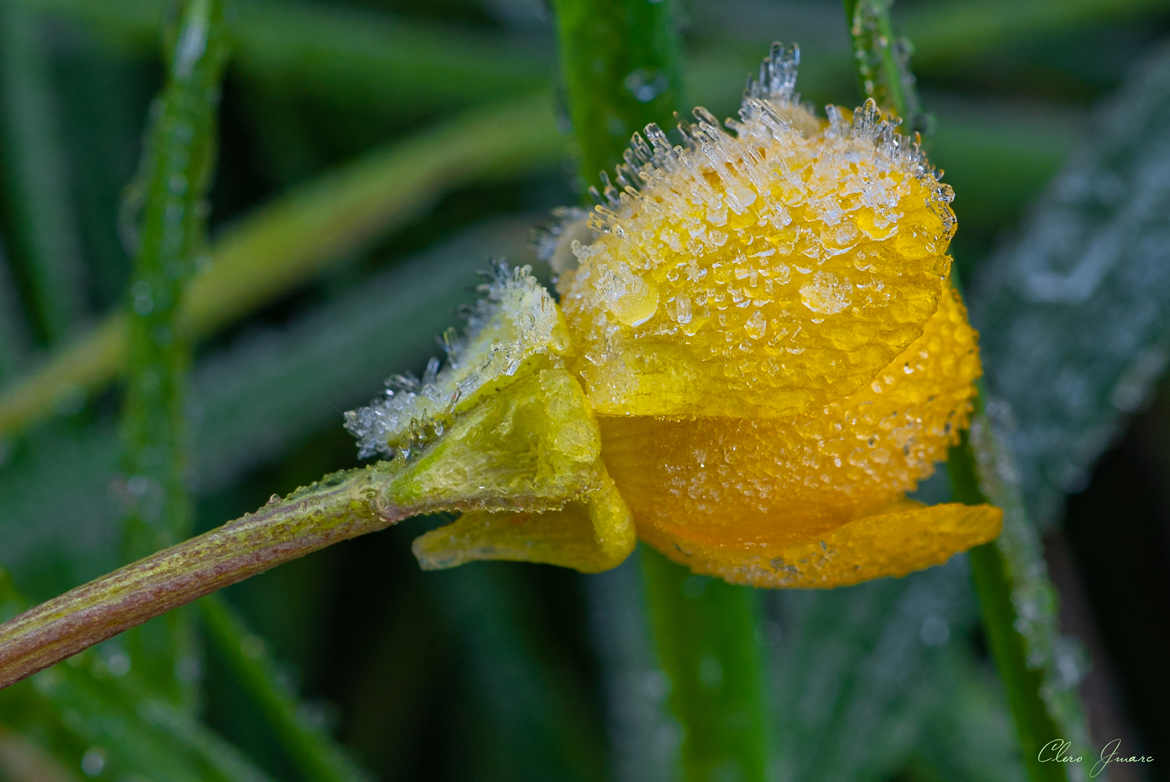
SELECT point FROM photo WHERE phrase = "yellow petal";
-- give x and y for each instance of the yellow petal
(906, 538)
(591, 535)
(760, 274)
(712, 481)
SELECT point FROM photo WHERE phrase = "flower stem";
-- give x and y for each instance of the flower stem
(881, 61)
(1019, 607)
(706, 634)
(340, 506)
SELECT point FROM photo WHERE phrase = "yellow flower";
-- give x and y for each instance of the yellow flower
(759, 336)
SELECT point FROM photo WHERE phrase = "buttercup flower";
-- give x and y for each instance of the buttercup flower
(756, 354)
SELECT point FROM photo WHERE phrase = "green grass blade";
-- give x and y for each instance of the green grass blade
(314, 753)
(42, 229)
(621, 68)
(1040, 669)
(286, 242)
(175, 174)
(706, 633)
(1096, 249)
(331, 52)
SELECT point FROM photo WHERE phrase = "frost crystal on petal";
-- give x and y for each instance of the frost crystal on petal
(777, 79)
(555, 242)
(764, 265)
(514, 322)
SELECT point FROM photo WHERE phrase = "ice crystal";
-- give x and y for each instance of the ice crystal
(706, 261)
(513, 322)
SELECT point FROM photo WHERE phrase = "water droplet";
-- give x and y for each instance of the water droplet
(646, 84)
(141, 297)
(711, 673)
(632, 300)
(934, 631)
(118, 663)
(93, 762)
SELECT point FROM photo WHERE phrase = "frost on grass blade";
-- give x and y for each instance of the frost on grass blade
(1095, 250)
(516, 321)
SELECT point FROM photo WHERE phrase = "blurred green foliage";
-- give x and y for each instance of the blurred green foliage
(383, 152)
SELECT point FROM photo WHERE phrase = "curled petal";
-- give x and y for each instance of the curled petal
(589, 535)
(904, 538)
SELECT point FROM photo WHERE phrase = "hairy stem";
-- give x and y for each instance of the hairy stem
(1019, 608)
(339, 507)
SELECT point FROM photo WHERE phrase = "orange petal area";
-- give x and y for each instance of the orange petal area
(906, 538)
(592, 535)
(759, 274)
(708, 482)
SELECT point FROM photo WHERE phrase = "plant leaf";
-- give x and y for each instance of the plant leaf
(42, 228)
(1094, 251)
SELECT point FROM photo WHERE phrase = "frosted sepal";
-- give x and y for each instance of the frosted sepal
(514, 327)
(532, 446)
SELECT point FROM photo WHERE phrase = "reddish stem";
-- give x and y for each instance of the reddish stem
(339, 507)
